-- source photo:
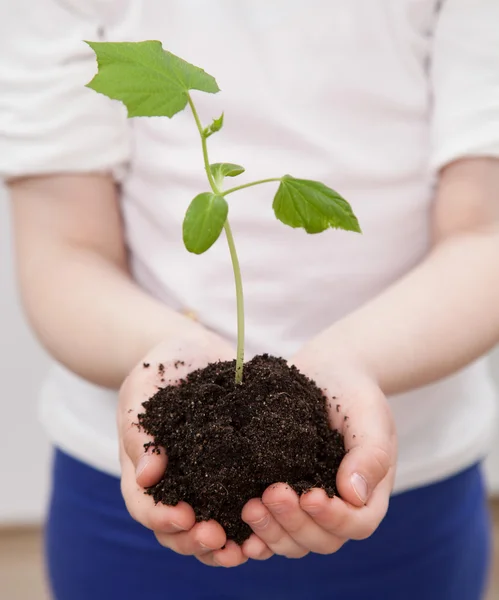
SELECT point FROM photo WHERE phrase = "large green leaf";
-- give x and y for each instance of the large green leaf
(204, 221)
(313, 206)
(150, 81)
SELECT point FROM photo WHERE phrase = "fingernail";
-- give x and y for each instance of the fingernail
(262, 522)
(312, 510)
(177, 527)
(277, 508)
(359, 485)
(205, 547)
(141, 465)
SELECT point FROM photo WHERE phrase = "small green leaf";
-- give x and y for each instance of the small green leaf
(217, 124)
(204, 221)
(222, 170)
(150, 81)
(313, 206)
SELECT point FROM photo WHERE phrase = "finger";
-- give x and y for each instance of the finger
(261, 521)
(347, 521)
(150, 464)
(256, 548)
(229, 556)
(207, 559)
(226, 557)
(371, 447)
(284, 506)
(203, 538)
(142, 508)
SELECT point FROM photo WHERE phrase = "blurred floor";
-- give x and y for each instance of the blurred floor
(21, 565)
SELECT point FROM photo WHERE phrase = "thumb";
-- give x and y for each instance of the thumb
(361, 471)
(149, 462)
(370, 442)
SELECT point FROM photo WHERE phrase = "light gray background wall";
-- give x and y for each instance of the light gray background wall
(24, 450)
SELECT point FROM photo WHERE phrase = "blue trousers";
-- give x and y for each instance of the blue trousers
(434, 544)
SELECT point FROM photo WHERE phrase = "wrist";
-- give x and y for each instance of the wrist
(171, 325)
(330, 357)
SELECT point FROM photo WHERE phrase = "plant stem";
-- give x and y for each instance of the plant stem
(213, 185)
(247, 185)
(239, 302)
(232, 248)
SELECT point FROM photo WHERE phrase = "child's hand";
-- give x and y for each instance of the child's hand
(174, 526)
(293, 526)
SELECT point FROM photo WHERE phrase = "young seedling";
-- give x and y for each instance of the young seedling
(152, 82)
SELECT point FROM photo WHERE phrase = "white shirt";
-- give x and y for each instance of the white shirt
(371, 97)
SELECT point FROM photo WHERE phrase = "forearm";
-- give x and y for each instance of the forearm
(74, 280)
(439, 318)
(94, 319)
(445, 313)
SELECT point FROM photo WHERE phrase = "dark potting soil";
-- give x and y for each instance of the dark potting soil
(226, 443)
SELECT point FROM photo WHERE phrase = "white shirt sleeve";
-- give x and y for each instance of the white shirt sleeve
(49, 121)
(465, 81)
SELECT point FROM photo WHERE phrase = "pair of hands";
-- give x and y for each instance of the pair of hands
(282, 522)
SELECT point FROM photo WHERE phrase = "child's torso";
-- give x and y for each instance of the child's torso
(336, 91)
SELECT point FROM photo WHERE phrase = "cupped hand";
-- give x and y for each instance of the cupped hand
(293, 526)
(175, 527)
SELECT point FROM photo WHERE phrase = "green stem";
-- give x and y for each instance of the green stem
(232, 248)
(239, 301)
(247, 185)
(213, 185)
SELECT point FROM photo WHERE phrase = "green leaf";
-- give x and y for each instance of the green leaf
(204, 221)
(222, 170)
(150, 81)
(313, 206)
(217, 124)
